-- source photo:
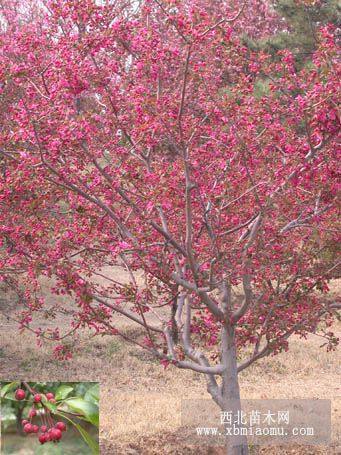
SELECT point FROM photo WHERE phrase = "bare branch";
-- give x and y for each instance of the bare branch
(126, 313)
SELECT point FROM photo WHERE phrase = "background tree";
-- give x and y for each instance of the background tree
(138, 150)
(297, 29)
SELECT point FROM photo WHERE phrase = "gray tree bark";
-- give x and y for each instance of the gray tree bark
(230, 394)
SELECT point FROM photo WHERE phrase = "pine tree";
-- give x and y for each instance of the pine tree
(301, 20)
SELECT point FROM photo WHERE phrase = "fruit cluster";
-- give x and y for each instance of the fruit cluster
(46, 434)
(48, 430)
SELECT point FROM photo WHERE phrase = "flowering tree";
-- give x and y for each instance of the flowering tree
(134, 140)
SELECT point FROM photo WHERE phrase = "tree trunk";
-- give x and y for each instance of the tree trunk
(235, 444)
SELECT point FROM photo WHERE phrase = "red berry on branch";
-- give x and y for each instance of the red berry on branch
(43, 428)
(37, 398)
(24, 422)
(52, 400)
(28, 428)
(56, 434)
(50, 396)
(32, 413)
(35, 429)
(20, 394)
(42, 439)
(61, 426)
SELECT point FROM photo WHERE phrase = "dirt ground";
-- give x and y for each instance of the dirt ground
(140, 401)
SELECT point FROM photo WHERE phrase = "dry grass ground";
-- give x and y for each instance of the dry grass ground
(140, 401)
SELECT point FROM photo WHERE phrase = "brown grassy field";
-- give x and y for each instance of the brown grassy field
(140, 401)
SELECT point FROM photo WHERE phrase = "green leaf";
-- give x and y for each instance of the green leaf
(90, 441)
(62, 392)
(51, 406)
(88, 409)
(8, 388)
(10, 396)
(92, 394)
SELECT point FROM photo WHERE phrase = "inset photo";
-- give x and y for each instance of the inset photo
(49, 418)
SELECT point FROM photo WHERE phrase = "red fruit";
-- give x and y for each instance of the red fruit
(61, 426)
(55, 434)
(50, 396)
(37, 398)
(42, 439)
(24, 422)
(32, 413)
(35, 429)
(28, 428)
(52, 400)
(20, 394)
(43, 428)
